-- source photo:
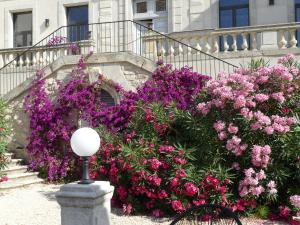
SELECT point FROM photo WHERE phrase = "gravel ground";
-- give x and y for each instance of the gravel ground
(36, 205)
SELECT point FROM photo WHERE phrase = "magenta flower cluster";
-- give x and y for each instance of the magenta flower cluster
(165, 86)
(56, 40)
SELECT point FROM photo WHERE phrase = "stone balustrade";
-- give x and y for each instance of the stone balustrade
(40, 56)
(251, 38)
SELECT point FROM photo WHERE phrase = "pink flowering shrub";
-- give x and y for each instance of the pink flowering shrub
(250, 119)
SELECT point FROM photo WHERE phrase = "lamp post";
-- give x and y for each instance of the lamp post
(85, 142)
(81, 203)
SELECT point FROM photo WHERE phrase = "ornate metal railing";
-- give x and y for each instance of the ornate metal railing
(121, 36)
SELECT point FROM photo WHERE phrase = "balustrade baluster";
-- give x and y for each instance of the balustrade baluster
(245, 42)
(6, 58)
(41, 57)
(162, 50)
(293, 41)
(11, 57)
(198, 47)
(34, 54)
(234, 45)
(226, 46)
(48, 54)
(21, 61)
(282, 43)
(27, 60)
(171, 50)
(253, 42)
(207, 46)
(189, 50)
(216, 44)
(180, 49)
(54, 54)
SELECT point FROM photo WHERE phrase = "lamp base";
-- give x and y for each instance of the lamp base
(86, 182)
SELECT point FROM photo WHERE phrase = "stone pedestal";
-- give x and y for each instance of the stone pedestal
(85, 204)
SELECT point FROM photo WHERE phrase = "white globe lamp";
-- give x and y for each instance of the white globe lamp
(85, 142)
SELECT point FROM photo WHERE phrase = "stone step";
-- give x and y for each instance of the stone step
(8, 155)
(15, 162)
(8, 185)
(12, 170)
(22, 177)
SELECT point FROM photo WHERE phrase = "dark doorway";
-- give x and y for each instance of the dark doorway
(22, 23)
(77, 21)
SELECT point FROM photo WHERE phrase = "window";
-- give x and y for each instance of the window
(22, 23)
(77, 21)
(233, 13)
(271, 2)
(161, 5)
(106, 98)
(141, 7)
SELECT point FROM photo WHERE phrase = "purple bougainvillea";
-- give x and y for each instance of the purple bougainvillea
(53, 121)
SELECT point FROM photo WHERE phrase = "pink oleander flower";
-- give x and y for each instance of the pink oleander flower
(203, 108)
(246, 113)
(278, 97)
(222, 136)
(240, 102)
(271, 184)
(177, 206)
(260, 155)
(219, 126)
(261, 97)
(284, 212)
(287, 58)
(190, 189)
(294, 70)
(166, 149)
(174, 182)
(291, 121)
(232, 129)
(180, 173)
(262, 118)
(154, 163)
(261, 175)
(257, 191)
(249, 172)
(179, 160)
(122, 192)
(235, 147)
(269, 130)
(154, 179)
(273, 191)
(295, 201)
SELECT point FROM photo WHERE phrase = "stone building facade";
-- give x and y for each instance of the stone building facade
(163, 15)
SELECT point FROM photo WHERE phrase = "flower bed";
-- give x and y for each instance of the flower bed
(182, 140)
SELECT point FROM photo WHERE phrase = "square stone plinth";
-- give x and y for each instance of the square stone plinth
(85, 204)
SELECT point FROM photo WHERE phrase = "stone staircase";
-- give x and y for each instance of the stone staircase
(17, 174)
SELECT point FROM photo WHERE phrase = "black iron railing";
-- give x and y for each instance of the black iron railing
(121, 36)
